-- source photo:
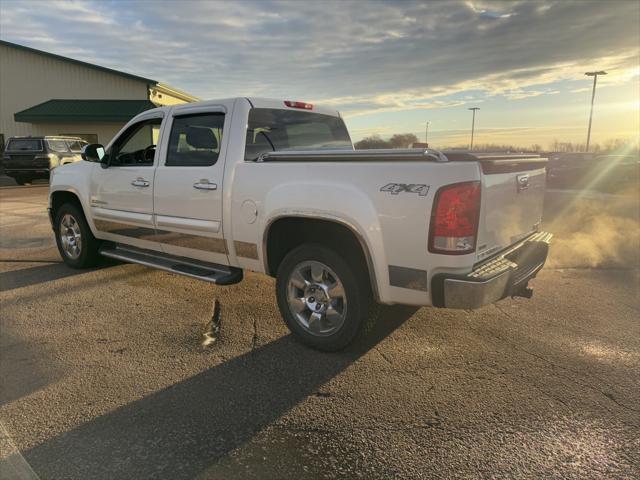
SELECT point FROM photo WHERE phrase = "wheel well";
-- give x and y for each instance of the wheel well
(60, 198)
(285, 234)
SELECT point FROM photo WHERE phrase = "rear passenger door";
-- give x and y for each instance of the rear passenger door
(188, 184)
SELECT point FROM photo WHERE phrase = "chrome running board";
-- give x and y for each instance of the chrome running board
(208, 272)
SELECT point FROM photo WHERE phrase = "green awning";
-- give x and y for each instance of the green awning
(74, 111)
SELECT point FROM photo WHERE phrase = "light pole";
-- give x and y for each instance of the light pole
(473, 124)
(593, 96)
(426, 134)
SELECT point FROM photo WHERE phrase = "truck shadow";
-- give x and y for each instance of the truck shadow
(25, 277)
(179, 431)
(22, 369)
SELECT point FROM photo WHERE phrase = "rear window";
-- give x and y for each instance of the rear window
(273, 129)
(57, 146)
(24, 145)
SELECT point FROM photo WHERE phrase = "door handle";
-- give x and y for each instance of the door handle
(204, 184)
(140, 182)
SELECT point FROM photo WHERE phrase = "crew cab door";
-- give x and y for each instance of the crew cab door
(188, 183)
(122, 193)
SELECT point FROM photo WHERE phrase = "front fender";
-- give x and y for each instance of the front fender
(74, 178)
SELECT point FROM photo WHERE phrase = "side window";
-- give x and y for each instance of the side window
(76, 145)
(195, 140)
(137, 145)
(58, 146)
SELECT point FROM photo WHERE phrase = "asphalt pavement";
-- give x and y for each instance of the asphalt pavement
(103, 374)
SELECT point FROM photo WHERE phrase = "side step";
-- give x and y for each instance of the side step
(209, 272)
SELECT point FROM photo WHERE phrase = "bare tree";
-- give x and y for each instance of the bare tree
(373, 141)
(402, 140)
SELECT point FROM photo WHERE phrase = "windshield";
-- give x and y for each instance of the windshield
(24, 145)
(273, 129)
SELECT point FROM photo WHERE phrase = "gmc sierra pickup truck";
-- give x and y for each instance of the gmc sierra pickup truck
(210, 189)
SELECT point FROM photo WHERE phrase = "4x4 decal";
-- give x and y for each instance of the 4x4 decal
(396, 188)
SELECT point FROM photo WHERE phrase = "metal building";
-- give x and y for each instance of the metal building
(46, 94)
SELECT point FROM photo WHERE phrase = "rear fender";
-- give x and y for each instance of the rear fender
(342, 204)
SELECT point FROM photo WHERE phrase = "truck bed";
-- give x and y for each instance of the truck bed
(490, 162)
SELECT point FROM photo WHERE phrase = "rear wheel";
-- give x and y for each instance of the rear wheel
(20, 180)
(76, 244)
(324, 300)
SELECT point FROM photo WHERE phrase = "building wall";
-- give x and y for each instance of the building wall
(163, 99)
(28, 78)
(163, 95)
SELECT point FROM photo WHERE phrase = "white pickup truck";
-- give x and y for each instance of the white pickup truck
(212, 188)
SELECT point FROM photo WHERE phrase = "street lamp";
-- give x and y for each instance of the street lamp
(473, 124)
(593, 96)
(426, 134)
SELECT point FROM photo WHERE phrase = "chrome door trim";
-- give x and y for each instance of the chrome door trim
(196, 242)
(185, 240)
(125, 229)
(207, 226)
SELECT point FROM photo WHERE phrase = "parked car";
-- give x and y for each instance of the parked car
(28, 158)
(210, 189)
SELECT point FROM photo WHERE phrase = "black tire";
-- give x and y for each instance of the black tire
(88, 255)
(20, 180)
(361, 308)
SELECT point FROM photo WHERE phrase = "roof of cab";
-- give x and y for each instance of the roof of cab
(258, 102)
(255, 102)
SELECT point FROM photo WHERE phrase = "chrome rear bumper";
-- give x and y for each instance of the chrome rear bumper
(502, 276)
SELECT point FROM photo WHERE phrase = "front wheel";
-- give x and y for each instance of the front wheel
(324, 300)
(76, 244)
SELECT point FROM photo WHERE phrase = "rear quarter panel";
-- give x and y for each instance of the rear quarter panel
(393, 226)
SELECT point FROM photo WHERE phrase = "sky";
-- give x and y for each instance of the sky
(389, 67)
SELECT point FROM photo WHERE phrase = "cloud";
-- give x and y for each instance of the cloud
(361, 57)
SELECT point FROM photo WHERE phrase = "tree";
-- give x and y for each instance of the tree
(373, 141)
(402, 140)
(398, 140)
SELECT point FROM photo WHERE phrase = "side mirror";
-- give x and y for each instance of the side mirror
(93, 152)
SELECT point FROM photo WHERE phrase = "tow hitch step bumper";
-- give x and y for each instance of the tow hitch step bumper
(208, 272)
(505, 275)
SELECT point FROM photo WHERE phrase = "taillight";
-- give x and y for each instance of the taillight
(454, 219)
(302, 105)
(52, 158)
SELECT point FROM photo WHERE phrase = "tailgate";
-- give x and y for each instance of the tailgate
(512, 201)
(24, 161)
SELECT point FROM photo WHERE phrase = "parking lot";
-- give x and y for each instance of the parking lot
(104, 376)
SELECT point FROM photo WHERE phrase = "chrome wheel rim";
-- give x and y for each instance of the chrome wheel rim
(70, 236)
(316, 298)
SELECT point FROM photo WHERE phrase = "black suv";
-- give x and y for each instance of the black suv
(28, 158)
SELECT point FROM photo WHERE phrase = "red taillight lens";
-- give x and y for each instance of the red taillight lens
(454, 219)
(302, 105)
